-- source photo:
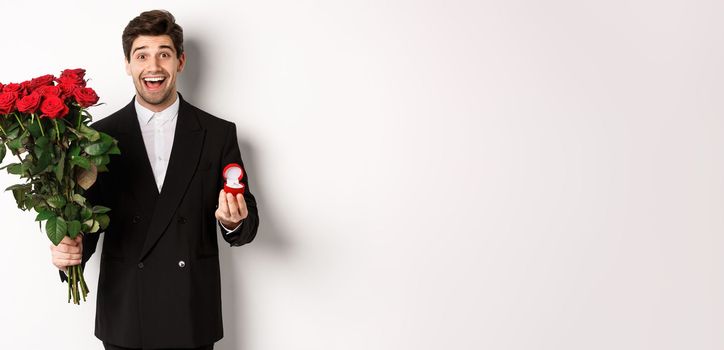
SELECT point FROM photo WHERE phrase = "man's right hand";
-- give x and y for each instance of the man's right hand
(68, 253)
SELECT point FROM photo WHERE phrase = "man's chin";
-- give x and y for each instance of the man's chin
(154, 98)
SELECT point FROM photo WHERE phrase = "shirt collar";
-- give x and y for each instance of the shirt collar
(145, 114)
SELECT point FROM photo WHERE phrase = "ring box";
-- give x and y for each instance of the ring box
(232, 175)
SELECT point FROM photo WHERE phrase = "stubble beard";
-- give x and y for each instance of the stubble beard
(151, 98)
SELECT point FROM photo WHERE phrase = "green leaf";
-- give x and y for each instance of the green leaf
(88, 132)
(19, 194)
(73, 228)
(56, 201)
(34, 129)
(78, 198)
(3, 151)
(60, 167)
(13, 131)
(56, 228)
(16, 169)
(91, 226)
(114, 150)
(107, 139)
(42, 146)
(80, 161)
(103, 220)
(43, 163)
(99, 209)
(44, 215)
(71, 211)
(16, 186)
(97, 149)
(86, 213)
(75, 132)
(101, 160)
(74, 151)
(16, 143)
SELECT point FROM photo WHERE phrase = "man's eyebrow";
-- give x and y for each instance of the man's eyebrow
(139, 48)
(160, 47)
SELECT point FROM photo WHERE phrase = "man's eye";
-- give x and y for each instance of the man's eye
(140, 57)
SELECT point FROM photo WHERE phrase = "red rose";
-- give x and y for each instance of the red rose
(40, 81)
(85, 96)
(1, 87)
(53, 107)
(66, 90)
(12, 87)
(29, 103)
(48, 90)
(72, 77)
(7, 101)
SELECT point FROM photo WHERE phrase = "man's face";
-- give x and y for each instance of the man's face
(153, 67)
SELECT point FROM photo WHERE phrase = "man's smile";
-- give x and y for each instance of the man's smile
(153, 83)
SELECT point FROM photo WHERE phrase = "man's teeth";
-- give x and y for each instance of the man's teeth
(153, 79)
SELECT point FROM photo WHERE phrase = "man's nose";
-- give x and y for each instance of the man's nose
(153, 64)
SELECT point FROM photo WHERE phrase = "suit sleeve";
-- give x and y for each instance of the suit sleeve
(246, 232)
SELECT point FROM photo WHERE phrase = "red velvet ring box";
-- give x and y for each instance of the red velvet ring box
(232, 174)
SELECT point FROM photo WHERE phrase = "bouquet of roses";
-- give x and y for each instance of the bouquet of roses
(44, 123)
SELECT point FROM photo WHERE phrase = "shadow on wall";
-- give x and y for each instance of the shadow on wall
(190, 82)
(270, 236)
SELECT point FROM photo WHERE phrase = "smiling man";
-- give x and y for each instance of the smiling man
(159, 285)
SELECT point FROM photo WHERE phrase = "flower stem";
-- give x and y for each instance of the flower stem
(57, 131)
(19, 122)
(69, 282)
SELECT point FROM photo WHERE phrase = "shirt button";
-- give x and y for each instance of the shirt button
(181, 220)
(140, 265)
(181, 264)
(136, 219)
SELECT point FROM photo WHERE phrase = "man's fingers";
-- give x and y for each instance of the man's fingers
(62, 263)
(233, 207)
(66, 248)
(243, 212)
(68, 241)
(223, 207)
(66, 256)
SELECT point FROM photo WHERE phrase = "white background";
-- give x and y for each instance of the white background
(430, 174)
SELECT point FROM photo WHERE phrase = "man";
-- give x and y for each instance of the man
(159, 284)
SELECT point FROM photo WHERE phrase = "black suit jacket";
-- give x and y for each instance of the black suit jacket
(159, 283)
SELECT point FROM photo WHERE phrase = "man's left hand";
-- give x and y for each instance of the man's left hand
(231, 210)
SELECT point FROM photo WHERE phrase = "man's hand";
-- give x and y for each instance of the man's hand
(231, 210)
(68, 252)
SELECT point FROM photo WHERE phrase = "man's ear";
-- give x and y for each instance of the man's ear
(128, 66)
(181, 62)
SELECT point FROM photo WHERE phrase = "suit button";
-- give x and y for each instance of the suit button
(140, 265)
(181, 220)
(136, 219)
(181, 264)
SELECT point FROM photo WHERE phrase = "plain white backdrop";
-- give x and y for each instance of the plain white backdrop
(431, 175)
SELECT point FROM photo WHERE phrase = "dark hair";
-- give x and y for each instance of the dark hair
(155, 22)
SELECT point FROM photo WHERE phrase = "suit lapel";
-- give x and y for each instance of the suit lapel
(188, 142)
(138, 168)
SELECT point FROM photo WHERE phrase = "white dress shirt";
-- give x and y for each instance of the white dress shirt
(158, 129)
